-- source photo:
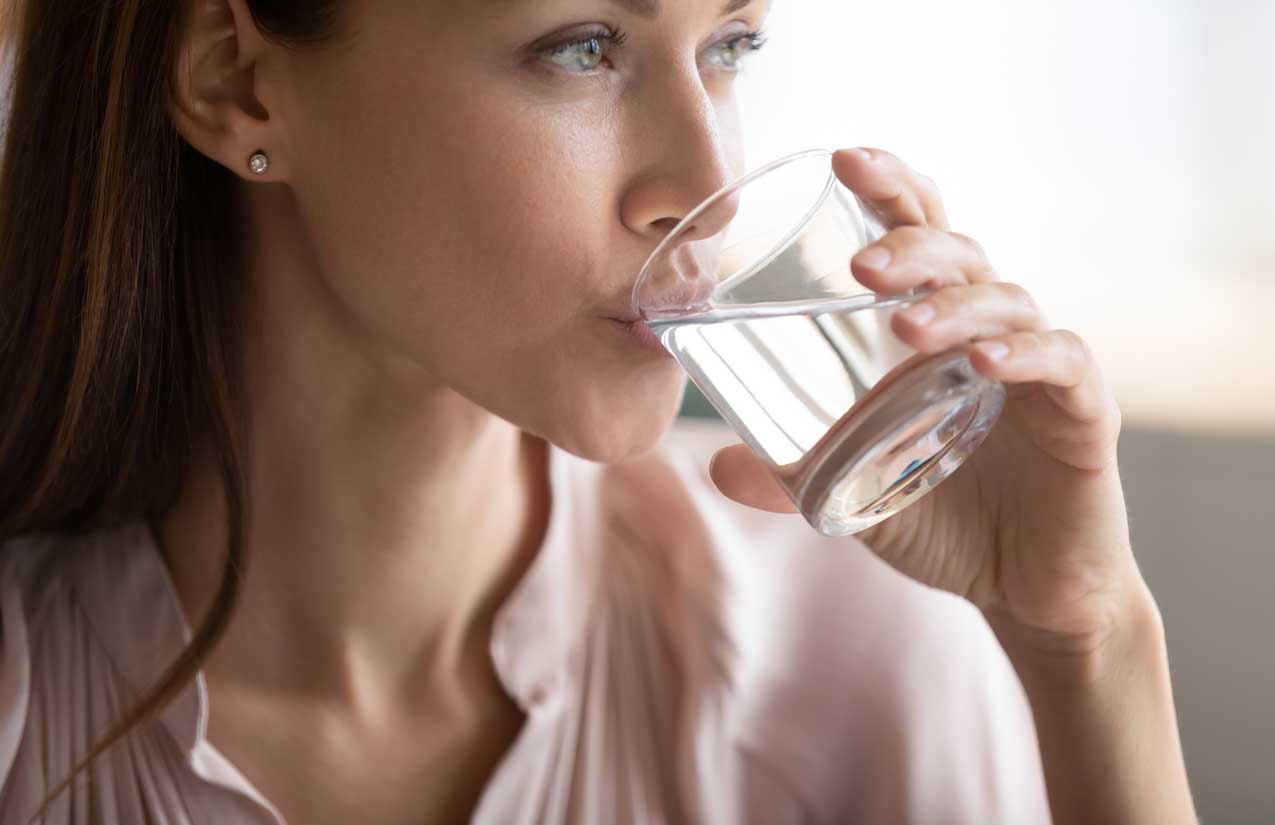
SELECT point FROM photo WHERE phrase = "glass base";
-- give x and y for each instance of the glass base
(913, 429)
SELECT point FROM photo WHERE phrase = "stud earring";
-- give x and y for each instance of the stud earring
(259, 163)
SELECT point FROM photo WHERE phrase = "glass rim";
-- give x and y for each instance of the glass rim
(744, 180)
(845, 302)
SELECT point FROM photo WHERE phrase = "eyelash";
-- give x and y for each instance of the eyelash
(615, 36)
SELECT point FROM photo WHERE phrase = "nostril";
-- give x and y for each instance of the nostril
(666, 225)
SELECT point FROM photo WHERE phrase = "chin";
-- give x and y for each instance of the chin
(621, 429)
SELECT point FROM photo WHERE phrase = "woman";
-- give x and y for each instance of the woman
(334, 491)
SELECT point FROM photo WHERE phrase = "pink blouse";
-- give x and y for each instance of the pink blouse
(680, 657)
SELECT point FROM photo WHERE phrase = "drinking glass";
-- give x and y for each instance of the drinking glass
(753, 294)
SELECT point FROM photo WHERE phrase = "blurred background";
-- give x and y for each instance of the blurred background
(1115, 159)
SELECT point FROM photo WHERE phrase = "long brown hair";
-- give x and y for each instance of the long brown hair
(120, 277)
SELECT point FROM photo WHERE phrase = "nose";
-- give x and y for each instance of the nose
(709, 222)
(696, 154)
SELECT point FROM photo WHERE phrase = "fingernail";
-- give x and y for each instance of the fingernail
(874, 257)
(863, 153)
(919, 313)
(993, 350)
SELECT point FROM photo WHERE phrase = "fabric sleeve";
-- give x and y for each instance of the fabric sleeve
(913, 718)
(967, 729)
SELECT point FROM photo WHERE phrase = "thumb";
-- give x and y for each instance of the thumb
(743, 476)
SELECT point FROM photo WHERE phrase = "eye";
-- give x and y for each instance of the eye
(736, 49)
(582, 55)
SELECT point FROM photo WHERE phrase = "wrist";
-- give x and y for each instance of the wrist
(1105, 718)
(1130, 640)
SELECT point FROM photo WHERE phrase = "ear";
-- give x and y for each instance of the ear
(215, 95)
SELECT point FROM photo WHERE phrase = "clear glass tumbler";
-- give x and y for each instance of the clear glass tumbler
(753, 294)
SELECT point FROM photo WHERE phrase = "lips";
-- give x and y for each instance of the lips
(645, 337)
(684, 295)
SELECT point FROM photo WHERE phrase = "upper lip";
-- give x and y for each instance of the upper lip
(684, 294)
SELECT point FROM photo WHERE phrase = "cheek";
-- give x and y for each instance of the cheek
(496, 293)
(483, 255)
(511, 221)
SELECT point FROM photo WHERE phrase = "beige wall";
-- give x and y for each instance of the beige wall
(1202, 512)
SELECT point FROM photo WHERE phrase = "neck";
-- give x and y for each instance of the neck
(389, 517)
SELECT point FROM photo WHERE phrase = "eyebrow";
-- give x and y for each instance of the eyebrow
(650, 9)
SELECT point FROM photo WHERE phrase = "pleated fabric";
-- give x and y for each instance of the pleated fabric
(681, 659)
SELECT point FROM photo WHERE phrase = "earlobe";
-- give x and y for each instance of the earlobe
(215, 90)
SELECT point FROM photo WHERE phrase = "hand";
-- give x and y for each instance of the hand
(1032, 528)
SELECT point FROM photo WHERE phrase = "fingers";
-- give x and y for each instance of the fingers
(955, 315)
(914, 256)
(1058, 359)
(900, 194)
(741, 475)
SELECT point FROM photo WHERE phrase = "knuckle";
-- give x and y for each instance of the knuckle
(974, 246)
(882, 154)
(1108, 423)
(944, 301)
(1116, 417)
(1073, 341)
(1032, 343)
(909, 236)
(1075, 344)
(1017, 294)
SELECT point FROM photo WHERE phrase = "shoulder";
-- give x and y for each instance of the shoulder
(38, 569)
(854, 681)
(29, 583)
(57, 593)
(87, 620)
(29, 563)
(33, 575)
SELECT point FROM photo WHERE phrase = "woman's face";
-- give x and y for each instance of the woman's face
(480, 204)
